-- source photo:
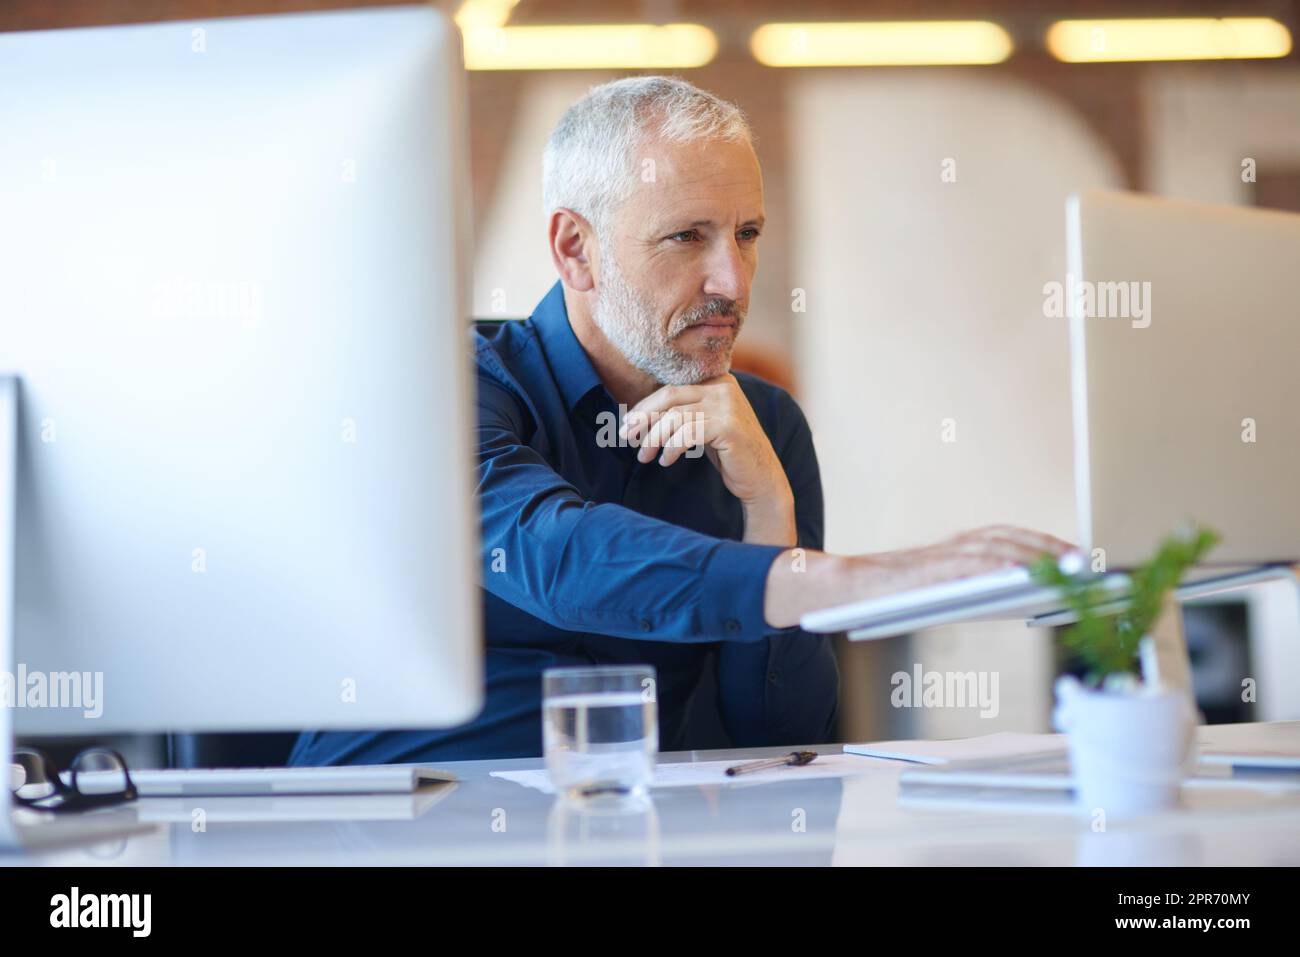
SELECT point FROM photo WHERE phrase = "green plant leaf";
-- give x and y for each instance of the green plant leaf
(1108, 643)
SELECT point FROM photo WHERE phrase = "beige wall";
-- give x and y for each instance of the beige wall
(1203, 121)
(512, 266)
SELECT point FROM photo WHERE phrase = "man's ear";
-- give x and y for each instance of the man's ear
(572, 240)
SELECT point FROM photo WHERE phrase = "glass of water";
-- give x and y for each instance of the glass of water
(600, 729)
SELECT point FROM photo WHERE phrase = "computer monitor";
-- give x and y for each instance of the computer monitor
(1184, 345)
(1182, 339)
(233, 298)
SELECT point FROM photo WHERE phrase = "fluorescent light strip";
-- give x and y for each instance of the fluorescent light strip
(1191, 38)
(484, 13)
(590, 47)
(902, 43)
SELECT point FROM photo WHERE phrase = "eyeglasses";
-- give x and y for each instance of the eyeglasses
(97, 777)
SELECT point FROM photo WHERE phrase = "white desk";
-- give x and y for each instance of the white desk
(486, 820)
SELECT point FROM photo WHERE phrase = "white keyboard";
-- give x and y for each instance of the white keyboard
(216, 782)
(960, 590)
(1007, 593)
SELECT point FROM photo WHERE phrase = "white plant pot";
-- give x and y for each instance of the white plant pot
(1129, 749)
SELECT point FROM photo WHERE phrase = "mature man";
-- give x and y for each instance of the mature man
(607, 544)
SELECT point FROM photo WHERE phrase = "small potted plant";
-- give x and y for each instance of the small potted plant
(1131, 742)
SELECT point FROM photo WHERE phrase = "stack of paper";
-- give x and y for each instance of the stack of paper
(1003, 744)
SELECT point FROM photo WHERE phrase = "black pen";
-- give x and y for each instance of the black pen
(793, 759)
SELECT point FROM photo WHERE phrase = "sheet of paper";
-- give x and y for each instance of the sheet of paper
(829, 764)
(1275, 738)
(999, 745)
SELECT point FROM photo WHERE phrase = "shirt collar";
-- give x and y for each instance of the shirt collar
(569, 362)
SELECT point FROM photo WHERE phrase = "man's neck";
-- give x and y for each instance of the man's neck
(625, 382)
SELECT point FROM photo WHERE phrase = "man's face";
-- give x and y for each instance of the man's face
(674, 277)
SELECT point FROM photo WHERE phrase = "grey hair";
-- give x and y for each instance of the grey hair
(589, 162)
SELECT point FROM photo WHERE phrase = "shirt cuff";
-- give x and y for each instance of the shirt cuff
(735, 584)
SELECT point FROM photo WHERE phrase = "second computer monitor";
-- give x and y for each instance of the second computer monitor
(1184, 344)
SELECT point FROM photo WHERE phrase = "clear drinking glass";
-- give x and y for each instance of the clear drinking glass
(600, 729)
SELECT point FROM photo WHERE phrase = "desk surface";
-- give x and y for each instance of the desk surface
(482, 820)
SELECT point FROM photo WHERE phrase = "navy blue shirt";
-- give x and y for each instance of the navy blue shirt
(590, 557)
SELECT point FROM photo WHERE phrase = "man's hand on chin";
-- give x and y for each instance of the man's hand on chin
(716, 414)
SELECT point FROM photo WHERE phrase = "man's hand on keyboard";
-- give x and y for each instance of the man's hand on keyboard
(800, 583)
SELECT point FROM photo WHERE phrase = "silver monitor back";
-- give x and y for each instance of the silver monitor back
(1185, 407)
(233, 290)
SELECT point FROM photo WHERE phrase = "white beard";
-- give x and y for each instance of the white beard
(629, 323)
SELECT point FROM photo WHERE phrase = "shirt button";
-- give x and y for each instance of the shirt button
(774, 676)
(645, 624)
(731, 625)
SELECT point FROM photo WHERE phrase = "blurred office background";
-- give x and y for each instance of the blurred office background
(914, 214)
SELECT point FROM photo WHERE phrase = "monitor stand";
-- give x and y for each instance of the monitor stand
(1168, 664)
(23, 828)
